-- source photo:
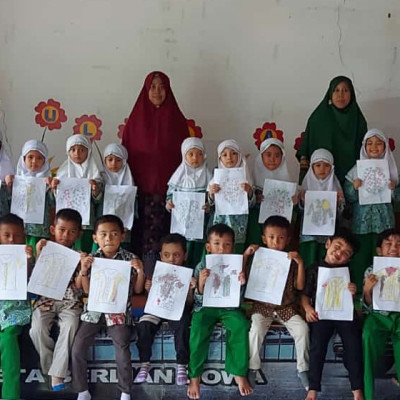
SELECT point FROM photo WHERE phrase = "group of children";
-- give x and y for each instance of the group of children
(373, 226)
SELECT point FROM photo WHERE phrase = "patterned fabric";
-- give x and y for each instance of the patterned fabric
(113, 319)
(14, 312)
(4, 201)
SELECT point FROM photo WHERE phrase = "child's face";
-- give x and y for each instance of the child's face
(375, 147)
(65, 232)
(157, 92)
(390, 247)
(78, 153)
(341, 96)
(11, 234)
(275, 237)
(338, 251)
(229, 158)
(220, 244)
(109, 237)
(173, 253)
(272, 157)
(34, 160)
(114, 163)
(321, 169)
(194, 157)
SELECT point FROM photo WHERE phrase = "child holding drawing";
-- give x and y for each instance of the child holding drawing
(276, 230)
(14, 314)
(108, 234)
(54, 357)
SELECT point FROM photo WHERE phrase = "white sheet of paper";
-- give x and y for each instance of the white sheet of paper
(319, 213)
(187, 217)
(28, 199)
(168, 292)
(222, 287)
(74, 193)
(334, 300)
(375, 178)
(268, 276)
(277, 199)
(386, 293)
(231, 199)
(109, 285)
(119, 200)
(13, 272)
(53, 271)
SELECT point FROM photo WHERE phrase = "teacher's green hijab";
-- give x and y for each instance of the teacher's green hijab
(340, 131)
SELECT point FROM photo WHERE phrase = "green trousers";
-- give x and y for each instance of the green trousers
(237, 340)
(377, 330)
(10, 362)
(312, 252)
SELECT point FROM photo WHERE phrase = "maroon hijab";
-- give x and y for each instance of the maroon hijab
(153, 138)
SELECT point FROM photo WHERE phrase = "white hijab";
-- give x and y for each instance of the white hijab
(124, 175)
(330, 183)
(88, 169)
(388, 155)
(185, 177)
(6, 167)
(34, 145)
(261, 172)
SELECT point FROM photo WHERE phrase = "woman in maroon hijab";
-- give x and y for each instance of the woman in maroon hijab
(153, 136)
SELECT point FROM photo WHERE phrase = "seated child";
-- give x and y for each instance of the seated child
(108, 234)
(220, 240)
(339, 250)
(54, 357)
(14, 314)
(173, 251)
(276, 236)
(379, 326)
(192, 175)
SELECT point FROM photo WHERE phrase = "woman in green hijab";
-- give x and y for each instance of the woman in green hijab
(337, 125)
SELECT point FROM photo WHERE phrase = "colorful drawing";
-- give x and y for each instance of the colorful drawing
(108, 282)
(333, 299)
(389, 279)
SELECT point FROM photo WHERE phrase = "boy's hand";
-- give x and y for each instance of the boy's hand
(40, 244)
(137, 264)
(204, 274)
(214, 188)
(352, 288)
(170, 205)
(206, 208)
(86, 262)
(54, 183)
(295, 198)
(192, 284)
(242, 277)
(246, 187)
(340, 195)
(357, 183)
(392, 184)
(370, 282)
(311, 314)
(29, 251)
(47, 305)
(295, 256)
(251, 250)
(147, 285)
(95, 187)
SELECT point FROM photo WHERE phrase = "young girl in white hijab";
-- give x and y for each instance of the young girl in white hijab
(6, 169)
(371, 219)
(230, 156)
(81, 164)
(321, 177)
(192, 175)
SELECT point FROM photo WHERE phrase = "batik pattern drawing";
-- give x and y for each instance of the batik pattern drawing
(169, 285)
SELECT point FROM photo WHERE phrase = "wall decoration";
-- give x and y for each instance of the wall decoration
(88, 126)
(268, 130)
(194, 130)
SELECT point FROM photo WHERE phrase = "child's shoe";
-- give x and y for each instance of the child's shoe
(57, 383)
(181, 375)
(143, 373)
(303, 376)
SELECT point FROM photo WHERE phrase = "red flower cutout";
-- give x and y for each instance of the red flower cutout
(268, 130)
(298, 141)
(392, 144)
(121, 128)
(88, 126)
(50, 115)
(194, 130)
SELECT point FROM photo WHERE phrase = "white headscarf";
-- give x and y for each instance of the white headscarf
(261, 172)
(6, 167)
(186, 177)
(34, 145)
(124, 175)
(387, 155)
(88, 169)
(330, 183)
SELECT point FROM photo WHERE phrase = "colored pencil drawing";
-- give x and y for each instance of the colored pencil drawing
(333, 293)
(169, 284)
(320, 212)
(108, 282)
(8, 271)
(389, 279)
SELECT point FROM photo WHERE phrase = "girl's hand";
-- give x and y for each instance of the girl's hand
(352, 288)
(54, 183)
(9, 179)
(340, 195)
(206, 208)
(370, 282)
(357, 183)
(147, 285)
(29, 251)
(311, 314)
(246, 187)
(192, 283)
(48, 180)
(95, 187)
(392, 184)
(137, 264)
(295, 198)
(86, 262)
(214, 188)
(242, 278)
(170, 205)
(251, 250)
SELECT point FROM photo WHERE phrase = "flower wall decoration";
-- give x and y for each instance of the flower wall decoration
(298, 141)
(194, 130)
(392, 144)
(268, 130)
(50, 114)
(121, 128)
(88, 126)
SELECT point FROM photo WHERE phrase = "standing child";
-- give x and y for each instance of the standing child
(54, 356)
(192, 175)
(379, 326)
(339, 250)
(33, 162)
(6, 169)
(321, 176)
(229, 156)
(220, 240)
(81, 164)
(173, 251)
(108, 234)
(371, 219)
(14, 314)
(276, 237)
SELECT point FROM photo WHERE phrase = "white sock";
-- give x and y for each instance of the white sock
(125, 396)
(84, 395)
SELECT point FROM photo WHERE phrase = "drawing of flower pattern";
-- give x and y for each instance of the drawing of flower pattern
(374, 180)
